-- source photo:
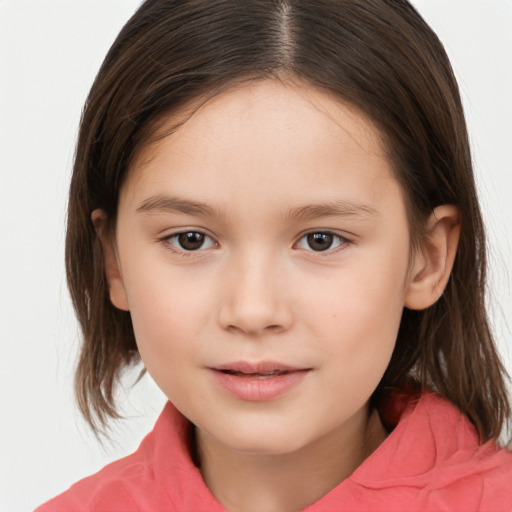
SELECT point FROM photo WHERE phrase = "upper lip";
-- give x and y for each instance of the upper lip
(259, 367)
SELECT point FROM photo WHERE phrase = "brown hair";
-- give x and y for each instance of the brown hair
(378, 55)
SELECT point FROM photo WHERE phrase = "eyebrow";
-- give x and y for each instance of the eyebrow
(171, 204)
(332, 209)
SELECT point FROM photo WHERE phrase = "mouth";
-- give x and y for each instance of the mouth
(257, 367)
(258, 382)
(257, 375)
(264, 369)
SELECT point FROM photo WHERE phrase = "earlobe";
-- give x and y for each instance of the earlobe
(433, 263)
(110, 261)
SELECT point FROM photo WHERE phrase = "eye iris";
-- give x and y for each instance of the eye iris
(320, 241)
(191, 241)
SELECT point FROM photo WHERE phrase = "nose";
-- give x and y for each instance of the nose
(255, 299)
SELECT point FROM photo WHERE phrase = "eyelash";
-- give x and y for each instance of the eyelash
(168, 241)
(342, 242)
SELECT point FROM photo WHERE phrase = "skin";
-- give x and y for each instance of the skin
(254, 157)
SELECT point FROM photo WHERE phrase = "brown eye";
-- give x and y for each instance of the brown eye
(320, 241)
(188, 242)
(191, 241)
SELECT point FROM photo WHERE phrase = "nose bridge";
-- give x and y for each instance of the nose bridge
(255, 295)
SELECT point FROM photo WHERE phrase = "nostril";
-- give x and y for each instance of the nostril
(255, 316)
(274, 328)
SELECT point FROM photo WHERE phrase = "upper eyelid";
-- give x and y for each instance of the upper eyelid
(179, 231)
(344, 242)
(206, 232)
(166, 239)
(326, 231)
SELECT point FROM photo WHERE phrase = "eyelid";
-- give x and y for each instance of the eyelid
(344, 241)
(166, 240)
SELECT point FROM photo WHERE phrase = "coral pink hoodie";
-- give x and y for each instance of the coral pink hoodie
(431, 461)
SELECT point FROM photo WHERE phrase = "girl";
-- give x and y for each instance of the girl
(273, 207)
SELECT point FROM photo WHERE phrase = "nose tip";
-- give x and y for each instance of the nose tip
(249, 318)
(255, 303)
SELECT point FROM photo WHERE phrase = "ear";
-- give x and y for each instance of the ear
(110, 260)
(433, 262)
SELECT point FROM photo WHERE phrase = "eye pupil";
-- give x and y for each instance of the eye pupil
(191, 241)
(320, 241)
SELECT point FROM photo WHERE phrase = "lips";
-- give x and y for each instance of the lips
(257, 382)
(256, 375)
(263, 368)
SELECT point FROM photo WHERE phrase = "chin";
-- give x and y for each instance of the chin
(265, 440)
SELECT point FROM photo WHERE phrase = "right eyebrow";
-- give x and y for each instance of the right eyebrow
(170, 204)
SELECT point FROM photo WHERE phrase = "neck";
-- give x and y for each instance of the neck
(248, 482)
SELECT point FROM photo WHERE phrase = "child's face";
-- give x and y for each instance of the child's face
(295, 266)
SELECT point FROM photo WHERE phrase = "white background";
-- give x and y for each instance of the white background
(50, 51)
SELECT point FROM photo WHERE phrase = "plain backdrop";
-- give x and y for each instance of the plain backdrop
(50, 51)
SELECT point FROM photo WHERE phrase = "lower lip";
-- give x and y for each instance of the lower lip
(259, 389)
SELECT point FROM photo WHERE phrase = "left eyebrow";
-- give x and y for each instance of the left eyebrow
(333, 209)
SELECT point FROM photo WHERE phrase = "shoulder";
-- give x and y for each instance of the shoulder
(111, 489)
(144, 480)
(433, 460)
(473, 475)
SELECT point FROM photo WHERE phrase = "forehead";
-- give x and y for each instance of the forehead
(292, 136)
(263, 104)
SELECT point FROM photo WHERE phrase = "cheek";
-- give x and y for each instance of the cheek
(360, 339)
(169, 311)
(360, 313)
(166, 333)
